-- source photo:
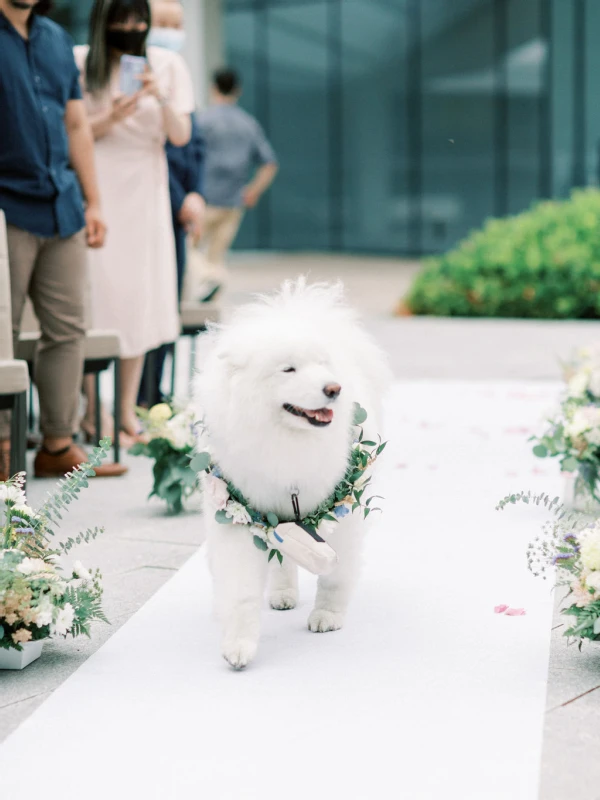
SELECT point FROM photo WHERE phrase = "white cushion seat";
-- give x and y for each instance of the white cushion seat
(195, 316)
(99, 345)
(14, 377)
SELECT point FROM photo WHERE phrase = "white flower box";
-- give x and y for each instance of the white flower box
(19, 659)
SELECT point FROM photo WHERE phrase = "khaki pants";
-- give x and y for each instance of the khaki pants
(53, 273)
(220, 229)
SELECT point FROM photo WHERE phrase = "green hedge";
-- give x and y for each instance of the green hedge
(543, 263)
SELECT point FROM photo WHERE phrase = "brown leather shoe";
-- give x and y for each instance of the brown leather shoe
(56, 465)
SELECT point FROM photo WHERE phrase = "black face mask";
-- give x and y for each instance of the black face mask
(126, 41)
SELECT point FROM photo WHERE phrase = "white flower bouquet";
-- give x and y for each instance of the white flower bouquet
(38, 600)
(171, 435)
(573, 433)
(570, 544)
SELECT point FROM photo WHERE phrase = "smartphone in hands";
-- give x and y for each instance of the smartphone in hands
(131, 67)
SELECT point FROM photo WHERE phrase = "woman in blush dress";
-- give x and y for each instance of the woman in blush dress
(134, 279)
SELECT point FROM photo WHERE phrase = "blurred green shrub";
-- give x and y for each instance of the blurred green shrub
(543, 263)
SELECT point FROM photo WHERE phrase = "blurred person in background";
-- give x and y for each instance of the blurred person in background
(134, 279)
(186, 173)
(50, 198)
(235, 145)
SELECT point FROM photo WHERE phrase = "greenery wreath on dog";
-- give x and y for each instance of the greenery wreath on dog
(347, 497)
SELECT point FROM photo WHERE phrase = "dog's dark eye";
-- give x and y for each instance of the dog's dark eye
(290, 369)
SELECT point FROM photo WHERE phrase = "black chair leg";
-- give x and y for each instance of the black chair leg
(117, 410)
(173, 368)
(18, 444)
(97, 410)
(31, 409)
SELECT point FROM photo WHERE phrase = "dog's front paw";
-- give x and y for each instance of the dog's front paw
(322, 621)
(239, 653)
(283, 599)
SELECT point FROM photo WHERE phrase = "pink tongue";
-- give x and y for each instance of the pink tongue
(322, 414)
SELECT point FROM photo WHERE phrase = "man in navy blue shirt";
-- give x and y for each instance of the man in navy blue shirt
(49, 196)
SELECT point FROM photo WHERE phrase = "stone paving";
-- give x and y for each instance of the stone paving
(142, 546)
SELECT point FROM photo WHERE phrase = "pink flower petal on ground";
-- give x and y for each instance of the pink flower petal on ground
(516, 612)
(401, 466)
(500, 609)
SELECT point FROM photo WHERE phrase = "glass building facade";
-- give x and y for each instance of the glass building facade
(402, 124)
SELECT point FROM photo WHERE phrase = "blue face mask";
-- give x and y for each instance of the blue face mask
(169, 38)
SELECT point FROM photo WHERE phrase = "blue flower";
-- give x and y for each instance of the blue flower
(562, 557)
(341, 511)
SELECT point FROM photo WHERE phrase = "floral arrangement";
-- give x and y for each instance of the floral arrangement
(571, 544)
(171, 441)
(348, 496)
(573, 433)
(37, 599)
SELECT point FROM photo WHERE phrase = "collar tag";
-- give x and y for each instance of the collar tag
(296, 504)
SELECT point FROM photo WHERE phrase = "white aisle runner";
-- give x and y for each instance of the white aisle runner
(425, 694)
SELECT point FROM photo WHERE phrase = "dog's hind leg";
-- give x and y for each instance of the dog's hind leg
(283, 588)
(240, 574)
(334, 590)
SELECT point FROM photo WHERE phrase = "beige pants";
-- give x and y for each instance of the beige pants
(53, 273)
(220, 229)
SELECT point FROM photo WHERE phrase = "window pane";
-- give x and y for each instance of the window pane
(562, 96)
(298, 125)
(458, 119)
(524, 65)
(374, 146)
(592, 92)
(240, 38)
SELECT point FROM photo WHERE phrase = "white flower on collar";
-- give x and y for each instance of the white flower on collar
(238, 513)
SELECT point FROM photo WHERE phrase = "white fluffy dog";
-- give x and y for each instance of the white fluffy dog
(277, 394)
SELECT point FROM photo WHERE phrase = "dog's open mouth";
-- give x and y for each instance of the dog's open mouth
(320, 417)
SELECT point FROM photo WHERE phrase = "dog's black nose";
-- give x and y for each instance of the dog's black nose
(332, 390)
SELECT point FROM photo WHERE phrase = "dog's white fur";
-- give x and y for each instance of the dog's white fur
(265, 451)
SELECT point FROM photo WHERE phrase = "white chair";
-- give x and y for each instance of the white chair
(14, 375)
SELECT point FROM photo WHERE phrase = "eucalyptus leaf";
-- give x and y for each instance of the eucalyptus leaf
(200, 462)
(360, 415)
(272, 519)
(570, 464)
(540, 450)
(260, 543)
(222, 517)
